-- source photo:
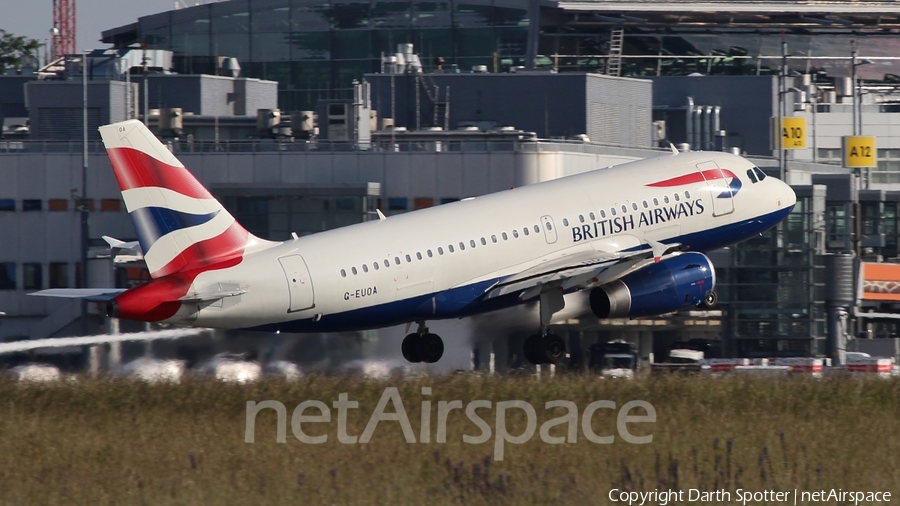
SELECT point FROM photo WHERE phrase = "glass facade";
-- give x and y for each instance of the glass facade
(316, 48)
(774, 289)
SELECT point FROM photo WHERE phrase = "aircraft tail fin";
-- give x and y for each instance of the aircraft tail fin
(179, 224)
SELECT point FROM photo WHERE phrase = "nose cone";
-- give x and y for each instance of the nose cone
(789, 198)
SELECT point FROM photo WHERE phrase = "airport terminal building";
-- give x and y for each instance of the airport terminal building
(324, 124)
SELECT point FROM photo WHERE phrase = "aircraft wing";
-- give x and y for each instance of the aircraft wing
(89, 294)
(579, 270)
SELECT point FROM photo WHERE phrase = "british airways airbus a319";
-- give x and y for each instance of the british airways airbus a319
(632, 234)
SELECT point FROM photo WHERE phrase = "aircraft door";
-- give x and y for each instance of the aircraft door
(720, 192)
(299, 283)
(549, 229)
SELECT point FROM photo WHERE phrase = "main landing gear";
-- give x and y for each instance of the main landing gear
(546, 348)
(422, 346)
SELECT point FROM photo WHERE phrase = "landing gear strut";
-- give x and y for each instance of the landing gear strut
(546, 348)
(422, 346)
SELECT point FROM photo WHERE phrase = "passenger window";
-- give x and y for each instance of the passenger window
(483, 241)
(397, 260)
(419, 255)
(549, 225)
(525, 230)
(565, 222)
(612, 211)
(634, 206)
(677, 198)
(537, 229)
(505, 237)
(376, 266)
(462, 247)
(353, 270)
(440, 250)
(624, 209)
(666, 199)
(581, 218)
(687, 194)
(494, 239)
(343, 273)
(602, 213)
(472, 242)
(646, 205)
(655, 201)
(516, 234)
(387, 264)
(450, 248)
(429, 253)
(365, 268)
(408, 259)
(592, 216)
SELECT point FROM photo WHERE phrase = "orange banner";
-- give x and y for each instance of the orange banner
(881, 281)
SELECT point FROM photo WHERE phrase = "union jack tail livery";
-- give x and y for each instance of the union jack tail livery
(179, 224)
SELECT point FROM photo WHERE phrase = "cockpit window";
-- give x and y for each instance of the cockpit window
(760, 173)
(751, 175)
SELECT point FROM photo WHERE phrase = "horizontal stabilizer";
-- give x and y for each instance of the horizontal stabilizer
(89, 294)
(215, 292)
(133, 247)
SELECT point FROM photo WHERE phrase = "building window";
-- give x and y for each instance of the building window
(56, 205)
(59, 275)
(397, 204)
(7, 205)
(423, 203)
(111, 205)
(32, 278)
(7, 275)
(32, 205)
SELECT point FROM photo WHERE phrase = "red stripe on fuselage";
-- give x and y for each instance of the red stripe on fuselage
(227, 246)
(135, 169)
(694, 177)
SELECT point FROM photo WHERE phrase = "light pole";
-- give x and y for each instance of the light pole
(83, 202)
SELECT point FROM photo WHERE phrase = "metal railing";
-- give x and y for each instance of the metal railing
(272, 146)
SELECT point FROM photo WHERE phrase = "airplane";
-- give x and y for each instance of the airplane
(632, 234)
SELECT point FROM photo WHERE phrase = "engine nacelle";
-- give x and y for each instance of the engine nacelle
(668, 285)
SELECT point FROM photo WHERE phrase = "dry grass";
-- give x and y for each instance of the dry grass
(104, 441)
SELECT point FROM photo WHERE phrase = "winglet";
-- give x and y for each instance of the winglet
(381, 215)
(658, 248)
(673, 148)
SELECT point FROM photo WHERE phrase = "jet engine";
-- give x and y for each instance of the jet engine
(673, 283)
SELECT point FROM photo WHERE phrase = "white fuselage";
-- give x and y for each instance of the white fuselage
(329, 281)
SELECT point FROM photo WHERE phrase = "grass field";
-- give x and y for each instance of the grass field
(105, 441)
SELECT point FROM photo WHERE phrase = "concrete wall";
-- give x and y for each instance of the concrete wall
(607, 109)
(212, 95)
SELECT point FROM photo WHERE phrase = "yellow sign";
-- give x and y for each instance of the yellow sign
(793, 133)
(860, 152)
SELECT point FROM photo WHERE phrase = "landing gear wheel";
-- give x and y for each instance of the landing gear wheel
(709, 300)
(553, 349)
(530, 349)
(430, 348)
(409, 347)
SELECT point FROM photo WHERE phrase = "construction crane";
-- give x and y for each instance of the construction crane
(63, 30)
